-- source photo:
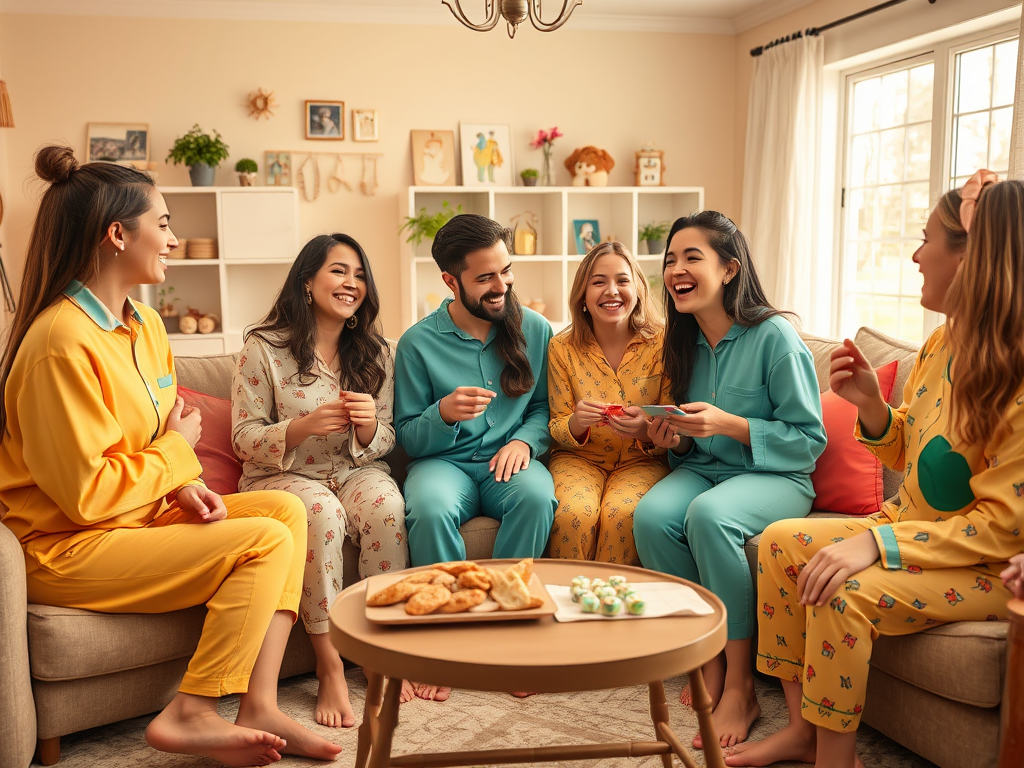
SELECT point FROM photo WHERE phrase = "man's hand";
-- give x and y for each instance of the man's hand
(202, 502)
(464, 404)
(513, 456)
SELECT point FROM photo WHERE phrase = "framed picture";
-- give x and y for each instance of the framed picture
(486, 151)
(433, 158)
(364, 125)
(279, 169)
(588, 234)
(325, 120)
(118, 142)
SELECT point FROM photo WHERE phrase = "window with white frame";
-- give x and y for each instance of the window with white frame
(908, 138)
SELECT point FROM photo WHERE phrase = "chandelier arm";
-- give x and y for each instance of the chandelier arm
(491, 6)
(563, 15)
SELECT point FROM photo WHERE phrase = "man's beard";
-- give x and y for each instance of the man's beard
(477, 308)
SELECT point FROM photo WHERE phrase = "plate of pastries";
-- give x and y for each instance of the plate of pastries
(458, 592)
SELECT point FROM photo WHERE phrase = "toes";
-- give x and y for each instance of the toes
(442, 694)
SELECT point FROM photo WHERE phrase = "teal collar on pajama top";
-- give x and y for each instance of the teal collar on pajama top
(434, 357)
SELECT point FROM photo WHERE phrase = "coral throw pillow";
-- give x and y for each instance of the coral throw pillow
(848, 477)
(221, 468)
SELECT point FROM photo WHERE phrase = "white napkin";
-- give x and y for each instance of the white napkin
(663, 599)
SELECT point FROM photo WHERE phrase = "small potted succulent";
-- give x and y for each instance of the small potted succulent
(529, 177)
(169, 312)
(246, 168)
(201, 152)
(654, 235)
(423, 226)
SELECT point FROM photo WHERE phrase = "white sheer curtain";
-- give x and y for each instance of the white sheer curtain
(1017, 132)
(779, 211)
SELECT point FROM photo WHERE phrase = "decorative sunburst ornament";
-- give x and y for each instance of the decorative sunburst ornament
(261, 104)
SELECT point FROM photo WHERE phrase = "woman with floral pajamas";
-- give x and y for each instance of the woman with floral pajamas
(312, 409)
(828, 588)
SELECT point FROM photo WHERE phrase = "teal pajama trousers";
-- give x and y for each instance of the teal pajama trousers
(440, 496)
(693, 527)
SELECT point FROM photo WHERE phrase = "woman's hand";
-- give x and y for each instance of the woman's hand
(662, 434)
(513, 456)
(202, 502)
(706, 420)
(631, 424)
(327, 419)
(587, 414)
(187, 423)
(1013, 576)
(362, 410)
(833, 565)
(853, 379)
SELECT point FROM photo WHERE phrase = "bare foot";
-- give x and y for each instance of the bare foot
(794, 743)
(714, 681)
(733, 716)
(431, 692)
(523, 694)
(333, 708)
(185, 730)
(300, 741)
(408, 692)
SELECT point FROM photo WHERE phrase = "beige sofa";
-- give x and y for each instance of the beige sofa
(65, 670)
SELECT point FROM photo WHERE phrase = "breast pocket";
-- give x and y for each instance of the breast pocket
(741, 401)
(165, 381)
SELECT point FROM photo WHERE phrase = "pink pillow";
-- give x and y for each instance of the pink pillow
(221, 468)
(847, 478)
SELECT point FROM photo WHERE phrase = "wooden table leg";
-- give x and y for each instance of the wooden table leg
(371, 711)
(380, 752)
(659, 713)
(702, 706)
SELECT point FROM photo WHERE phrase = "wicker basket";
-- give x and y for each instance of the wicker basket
(179, 252)
(202, 248)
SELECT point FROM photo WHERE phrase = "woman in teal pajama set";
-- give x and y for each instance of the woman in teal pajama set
(742, 454)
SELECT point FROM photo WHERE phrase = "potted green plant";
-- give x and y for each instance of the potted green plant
(201, 152)
(166, 298)
(423, 226)
(529, 177)
(654, 234)
(246, 168)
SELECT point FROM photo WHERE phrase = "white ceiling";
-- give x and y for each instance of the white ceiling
(724, 17)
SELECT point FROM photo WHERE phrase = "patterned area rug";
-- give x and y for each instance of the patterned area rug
(475, 720)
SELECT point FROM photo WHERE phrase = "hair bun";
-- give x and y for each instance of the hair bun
(55, 164)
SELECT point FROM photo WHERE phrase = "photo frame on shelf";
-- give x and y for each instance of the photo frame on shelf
(325, 120)
(588, 235)
(433, 158)
(364, 125)
(486, 152)
(123, 143)
(279, 169)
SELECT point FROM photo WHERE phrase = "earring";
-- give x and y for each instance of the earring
(352, 322)
(309, 296)
(585, 310)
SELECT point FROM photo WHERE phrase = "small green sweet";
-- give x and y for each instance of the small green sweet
(595, 583)
(635, 605)
(610, 606)
(579, 592)
(624, 589)
(605, 591)
(590, 603)
(580, 581)
(616, 581)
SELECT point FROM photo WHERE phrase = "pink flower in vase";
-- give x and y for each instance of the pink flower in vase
(544, 140)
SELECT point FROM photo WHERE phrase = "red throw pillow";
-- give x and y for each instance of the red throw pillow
(848, 477)
(221, 468)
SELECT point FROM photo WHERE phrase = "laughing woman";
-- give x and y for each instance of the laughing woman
(312, 408)
(610, 355)
(743, 452)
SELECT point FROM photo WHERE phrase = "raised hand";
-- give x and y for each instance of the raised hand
(362, 410)
(329, 418)
(853, 379)
(465, 404)
(188, 423)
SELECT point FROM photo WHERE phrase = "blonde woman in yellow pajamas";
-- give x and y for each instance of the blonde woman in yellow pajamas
(312, 406)
(602, 464)
(98, 476)
(828, 588)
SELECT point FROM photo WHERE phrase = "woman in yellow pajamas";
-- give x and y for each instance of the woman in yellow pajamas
(602, 464)
(828, 588)
(98, 476)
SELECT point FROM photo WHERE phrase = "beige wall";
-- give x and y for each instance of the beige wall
(613, 90)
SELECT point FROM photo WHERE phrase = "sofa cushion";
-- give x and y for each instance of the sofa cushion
(210, 375)
(847, 477)
(69, 644)
(221, 468)
(821, 349)
(479, 534)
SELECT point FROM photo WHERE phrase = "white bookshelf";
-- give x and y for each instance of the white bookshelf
(257, 233)
(548, 275)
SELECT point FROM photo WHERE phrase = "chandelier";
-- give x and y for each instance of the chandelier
(515, 12)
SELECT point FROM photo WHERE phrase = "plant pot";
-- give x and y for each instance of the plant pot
(201, 174)
(170, 322)
(247, 179)
(655, 247)
(529, 181)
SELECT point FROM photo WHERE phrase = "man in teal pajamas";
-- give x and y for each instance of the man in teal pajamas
(471, 404)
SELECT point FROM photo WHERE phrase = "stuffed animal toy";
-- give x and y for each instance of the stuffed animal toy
(589, 167)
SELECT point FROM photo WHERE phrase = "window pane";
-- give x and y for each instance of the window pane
(864, 160)
(859, 267)
(974, 85)
(856, 313)
(910, 281)
(916, 210)
(891, 165)
(911, 320)
(920, 97)
(861, 221)
(999, 152)
(885, 315)
(865, 110)
(971, 143)
(890, 211)
(1005, 74)
(919, 152)
(893, 98)
(886, 277)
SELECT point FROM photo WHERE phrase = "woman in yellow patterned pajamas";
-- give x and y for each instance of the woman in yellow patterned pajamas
(611, 355)
(98, 476)
(828, 588)
(312, 403)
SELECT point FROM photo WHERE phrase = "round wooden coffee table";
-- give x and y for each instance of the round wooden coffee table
(541, 655)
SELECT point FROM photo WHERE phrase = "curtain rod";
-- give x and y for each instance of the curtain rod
(815, 31)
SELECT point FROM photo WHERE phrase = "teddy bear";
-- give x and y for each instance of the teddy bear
(589, 167)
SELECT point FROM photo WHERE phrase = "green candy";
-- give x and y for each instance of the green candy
(635, 605)
(610, 606)
(590, 603)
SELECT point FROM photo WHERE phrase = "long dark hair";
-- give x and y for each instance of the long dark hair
(461, 236)
(291, 325)
(743, 297)
(74, 214)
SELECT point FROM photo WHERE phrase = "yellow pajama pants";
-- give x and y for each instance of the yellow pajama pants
(828, 649)
(243, 569)
(594, 518)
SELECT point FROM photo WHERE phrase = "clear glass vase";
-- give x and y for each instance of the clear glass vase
(548, 171)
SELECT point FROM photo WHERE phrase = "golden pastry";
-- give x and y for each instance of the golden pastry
(509, 591)
(422, 577)
(457, 567)
(396, 593)
(444, 580)
(474, 580)
(427, 600)
(463, 601)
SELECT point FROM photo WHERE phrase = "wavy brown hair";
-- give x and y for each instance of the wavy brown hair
(948, 210)
(77, 208)
(985, 310)
(644, 317)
